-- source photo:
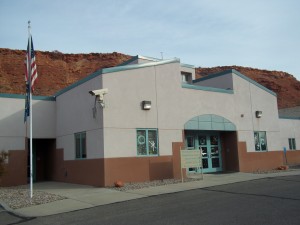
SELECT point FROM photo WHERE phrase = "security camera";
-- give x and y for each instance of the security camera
(99, 92)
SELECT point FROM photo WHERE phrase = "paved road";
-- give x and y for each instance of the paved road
(9, 218)
(265, 201)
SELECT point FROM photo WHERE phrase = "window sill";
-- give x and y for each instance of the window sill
(147, 155)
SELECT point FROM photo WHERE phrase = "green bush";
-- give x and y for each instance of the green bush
(3, 157)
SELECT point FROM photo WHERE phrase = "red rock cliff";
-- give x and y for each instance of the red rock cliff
(57, 71)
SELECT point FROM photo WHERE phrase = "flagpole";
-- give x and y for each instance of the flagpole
(30, 110)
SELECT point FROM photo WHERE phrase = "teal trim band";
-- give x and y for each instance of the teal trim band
(209, 122)
(289, 118)
(187, 65)
(4, 95)
(18, 96)
(203, 88)
(238, 74)
(44, 98)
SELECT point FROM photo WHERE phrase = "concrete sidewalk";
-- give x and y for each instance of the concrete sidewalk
(82, 196)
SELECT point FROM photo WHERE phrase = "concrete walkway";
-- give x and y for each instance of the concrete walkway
(82, 196)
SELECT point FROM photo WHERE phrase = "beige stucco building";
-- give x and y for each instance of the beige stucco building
(150, 110)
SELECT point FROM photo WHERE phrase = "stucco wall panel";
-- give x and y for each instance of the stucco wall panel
(177, 105)
(13, 128)
(11, 143)
(289, 128)
(67, 143)
(94, 145)
(119, 142)
(273, 141)
(242, 104)
(95, 148)
(166, 138)
(137, 169)
(75, 109)
(12, 117)
(224, 82)
(44, 117)
(250, 98)
(126, 92)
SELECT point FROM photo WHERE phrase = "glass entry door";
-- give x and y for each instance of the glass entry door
(210, 145)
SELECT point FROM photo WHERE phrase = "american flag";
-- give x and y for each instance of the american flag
(30, 66)
(30, 61)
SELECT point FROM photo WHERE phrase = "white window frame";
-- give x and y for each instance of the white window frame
(292, 143)
(145, 140)
(260, 141)
(81, 136)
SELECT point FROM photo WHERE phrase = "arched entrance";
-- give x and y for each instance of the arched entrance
(205, 133)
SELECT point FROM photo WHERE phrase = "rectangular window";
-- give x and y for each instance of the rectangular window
(292, 143)
(260, 139)
(190, 142)
(186, 77)
(147, 142)
(80, 145)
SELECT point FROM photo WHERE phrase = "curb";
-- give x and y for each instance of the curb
(291, 172)
(13, 212)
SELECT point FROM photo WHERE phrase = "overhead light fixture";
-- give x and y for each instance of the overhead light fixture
(146, 105)
(258, 114)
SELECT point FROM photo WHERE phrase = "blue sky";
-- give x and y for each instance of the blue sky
(262, 34)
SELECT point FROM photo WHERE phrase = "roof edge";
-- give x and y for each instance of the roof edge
(289, 118)
(204, 88)
(137, 66)
(238, 74)
(187, 65)
(149, 58)
(133, 58)
(34, 97)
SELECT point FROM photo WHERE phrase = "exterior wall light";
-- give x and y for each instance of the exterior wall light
(258, 114)
(146, 105)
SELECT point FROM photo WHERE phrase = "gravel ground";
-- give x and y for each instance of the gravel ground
(270, 171)
(19, 197)
(134, 186)
(140, 185)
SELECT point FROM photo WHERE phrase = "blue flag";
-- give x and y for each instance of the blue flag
(27, 102)
(27, 97)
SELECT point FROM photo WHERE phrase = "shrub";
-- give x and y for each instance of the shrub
(3, 157)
